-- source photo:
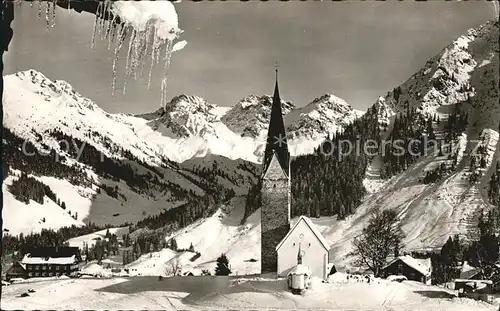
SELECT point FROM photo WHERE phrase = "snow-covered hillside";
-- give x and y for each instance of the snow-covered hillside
(217, 234)
(136, 167)
(465, 73)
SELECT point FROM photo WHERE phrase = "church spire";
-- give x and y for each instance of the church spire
(276, 135)
(299, 256)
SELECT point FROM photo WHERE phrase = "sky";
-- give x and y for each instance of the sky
(355, 50)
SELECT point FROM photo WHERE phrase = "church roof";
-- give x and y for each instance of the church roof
(314, 230)
(276, 135)
(274, 169)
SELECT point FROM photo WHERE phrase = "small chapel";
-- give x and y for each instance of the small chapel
(283, 247)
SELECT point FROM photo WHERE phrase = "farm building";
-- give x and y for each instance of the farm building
(413, 269)
(51, 261)
(306, 241)
(468, 272)
(17, 270)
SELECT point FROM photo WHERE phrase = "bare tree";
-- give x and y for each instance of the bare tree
(378, 240)
(173, 267)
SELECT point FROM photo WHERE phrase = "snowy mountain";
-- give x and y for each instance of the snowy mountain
(162, 147)
(107, 168)
(325, 114)
(250, 116)
(187, 116)
(463, 76)
(429, 212)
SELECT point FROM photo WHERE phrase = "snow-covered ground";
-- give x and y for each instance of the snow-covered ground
(90, 239)
(220, 233)
(219, 293)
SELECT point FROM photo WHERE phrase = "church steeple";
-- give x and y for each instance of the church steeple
(276, 135)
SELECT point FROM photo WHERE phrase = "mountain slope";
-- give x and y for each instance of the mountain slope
(463, 76)
(110, 168)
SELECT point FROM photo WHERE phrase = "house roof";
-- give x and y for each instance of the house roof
(473, 281)
(467, 275)
(48, 260)
(54, 251)
(314, 230)
(423, 266)
(14, 264)
(468, 272)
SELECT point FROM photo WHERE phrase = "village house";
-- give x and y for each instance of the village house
(51, 261)
(468, 272)
(17, 270)
(306, 241)
(413, 269)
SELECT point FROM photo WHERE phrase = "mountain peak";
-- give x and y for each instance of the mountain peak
(251, 115)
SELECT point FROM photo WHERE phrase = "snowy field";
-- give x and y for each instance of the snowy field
(220, 233)
(219, 293)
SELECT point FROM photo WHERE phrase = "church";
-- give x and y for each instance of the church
(283, 247)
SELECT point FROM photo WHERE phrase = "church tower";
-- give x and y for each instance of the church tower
(276, 188)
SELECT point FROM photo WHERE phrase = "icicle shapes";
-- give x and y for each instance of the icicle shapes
(146, 36)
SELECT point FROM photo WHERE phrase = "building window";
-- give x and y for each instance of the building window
(37, 267)
(51, 274)
(44, 267)
(57, 268)
(44, 274)
(30, 274)
(37, 274)
(30, 268)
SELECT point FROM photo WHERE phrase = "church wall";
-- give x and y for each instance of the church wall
(315, 256)
(274, 220)
(269, 240)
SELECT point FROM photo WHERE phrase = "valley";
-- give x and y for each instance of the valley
(165, 194)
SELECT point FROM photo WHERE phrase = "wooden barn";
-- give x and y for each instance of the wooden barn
(17, 270)
(52, 261)
(413, 269)
(306, 241)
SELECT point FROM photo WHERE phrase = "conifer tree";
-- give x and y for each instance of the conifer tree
(222, 267)
(173, 244)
